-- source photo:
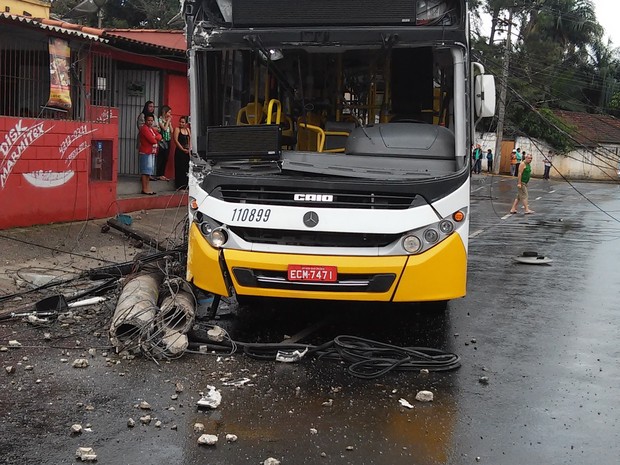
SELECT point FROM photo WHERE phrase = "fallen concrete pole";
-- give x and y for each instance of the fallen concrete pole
(114, 223)
(177, 312)
(135, 311)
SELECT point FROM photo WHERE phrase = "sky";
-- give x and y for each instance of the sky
(607, 14)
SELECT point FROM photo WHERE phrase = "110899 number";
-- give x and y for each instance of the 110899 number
(251, 214)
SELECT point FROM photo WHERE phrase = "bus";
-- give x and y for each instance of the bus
(331, 144)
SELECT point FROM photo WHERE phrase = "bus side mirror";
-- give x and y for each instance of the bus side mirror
(484, 95)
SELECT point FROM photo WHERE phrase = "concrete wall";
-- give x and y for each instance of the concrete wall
(597, 164)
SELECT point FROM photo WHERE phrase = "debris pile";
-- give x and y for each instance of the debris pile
(154, 312)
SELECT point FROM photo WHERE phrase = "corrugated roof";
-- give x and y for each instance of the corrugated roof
(165, 39)
(591, 129)
(61, 27)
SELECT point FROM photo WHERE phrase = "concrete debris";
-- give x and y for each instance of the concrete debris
(145, 420)
(178, 387)
(80, 363)
(135, 311)
(405, 403)
(350, 448)
(271, 461)
(47, 336)
(28, 368)
(177, 312)
(92, 352)
(144, 405)
(208, 440)
(158, 424)
(424, 371)
(211, 399)
(139, 324)
(239, 383)
(424, 396)
(93, 249)
(216, 334)
(314, 431)
(86, 454)
(13, 344)
(231, 438)
(174, 397)
(131, 422)
(36, 321)
(10, 369)
(328, 403)
(4, 349)
(76, 429)
(483, 380)
(199, 428)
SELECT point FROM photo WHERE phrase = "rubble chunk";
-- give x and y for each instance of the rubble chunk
(10, 369)
(271, 461)
(231, 438)
(145, 420)
(424, 396)
(199, 428)
(86, 454)
(144, 405)
(13, 344)
(208, 439)
(131, 422)
(76, 429)
(405, 403)
(80, 363)
(211, 399)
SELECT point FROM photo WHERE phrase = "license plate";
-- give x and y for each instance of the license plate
(323, 274)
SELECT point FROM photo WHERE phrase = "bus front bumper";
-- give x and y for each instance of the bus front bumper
(436, 275)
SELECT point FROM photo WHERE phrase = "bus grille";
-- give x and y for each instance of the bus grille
(278, 197)
(313, 238)
(375, 283)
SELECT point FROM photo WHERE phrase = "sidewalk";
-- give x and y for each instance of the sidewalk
(33, 255)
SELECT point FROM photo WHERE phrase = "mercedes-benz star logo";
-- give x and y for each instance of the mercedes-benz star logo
(311, 219)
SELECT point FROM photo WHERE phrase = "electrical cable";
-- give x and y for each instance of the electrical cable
(367, 359)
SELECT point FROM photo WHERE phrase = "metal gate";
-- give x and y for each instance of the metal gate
(134, 88)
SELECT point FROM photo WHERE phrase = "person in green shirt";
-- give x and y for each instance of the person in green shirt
(523, 177)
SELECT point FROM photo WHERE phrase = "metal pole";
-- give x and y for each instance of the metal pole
(501, 113)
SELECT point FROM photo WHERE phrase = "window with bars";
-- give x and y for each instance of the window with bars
(25, 77)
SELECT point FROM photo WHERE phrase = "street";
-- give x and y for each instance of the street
(538, 346)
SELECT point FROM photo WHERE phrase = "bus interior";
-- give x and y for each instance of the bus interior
(353, 111)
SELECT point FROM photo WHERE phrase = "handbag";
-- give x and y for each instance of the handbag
(163, 145)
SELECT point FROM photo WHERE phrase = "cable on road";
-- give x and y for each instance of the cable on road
(365, 358)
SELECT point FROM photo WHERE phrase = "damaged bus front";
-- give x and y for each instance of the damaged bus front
(331, 145)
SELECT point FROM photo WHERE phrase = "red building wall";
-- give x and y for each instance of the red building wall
(47, 170)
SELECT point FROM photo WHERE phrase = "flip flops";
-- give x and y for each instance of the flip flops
(512, 213)
(529, 212)
(149, 193)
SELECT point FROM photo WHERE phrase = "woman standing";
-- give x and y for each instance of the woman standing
(164, 123)
(148, 138)
(149, 109)
(182, 145)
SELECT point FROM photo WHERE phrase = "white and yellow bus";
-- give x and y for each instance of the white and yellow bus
(331, 144)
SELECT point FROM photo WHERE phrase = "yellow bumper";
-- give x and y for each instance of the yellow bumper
(438, 274)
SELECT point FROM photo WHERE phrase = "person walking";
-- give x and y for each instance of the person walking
(548, 163)
(182, 143)
(513, 163)
(148, 138)
(164, 124)
(489, 161)
(523, 177)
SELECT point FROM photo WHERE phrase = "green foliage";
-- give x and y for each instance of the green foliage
(546, 126)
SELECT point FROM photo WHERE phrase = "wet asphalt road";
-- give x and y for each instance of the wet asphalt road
(546, 337)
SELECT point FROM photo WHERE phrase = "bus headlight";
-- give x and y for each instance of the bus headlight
(431, 236)
(412, 244)
(217, 238)
(446, 227)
